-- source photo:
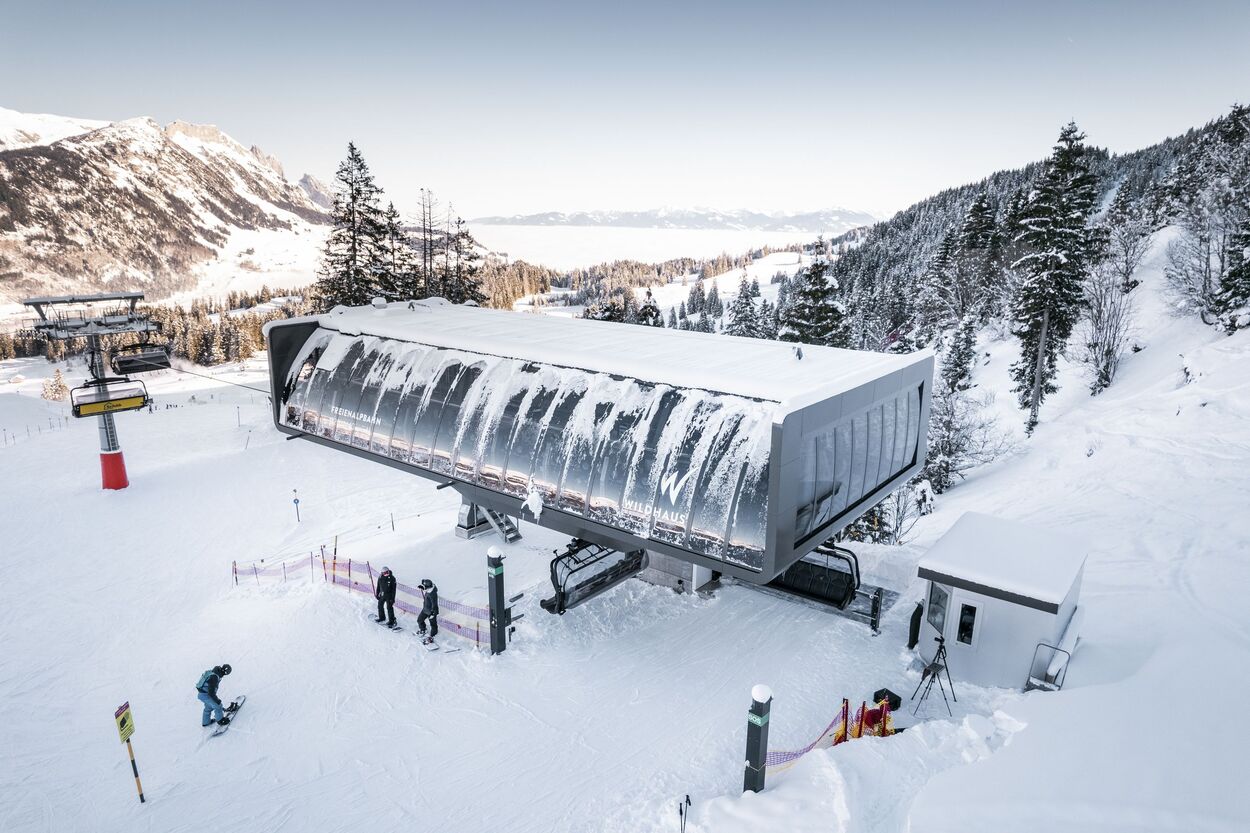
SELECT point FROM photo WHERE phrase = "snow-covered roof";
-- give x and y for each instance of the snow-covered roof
(756, 368)
(982, 552)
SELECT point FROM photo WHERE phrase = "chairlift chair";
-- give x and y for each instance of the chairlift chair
(143, 357)
(108, 396)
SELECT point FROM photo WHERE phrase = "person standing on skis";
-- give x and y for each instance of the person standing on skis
(386, 597)
(206, 692)
(429, 611)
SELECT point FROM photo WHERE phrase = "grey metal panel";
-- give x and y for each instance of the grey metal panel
(736, 510)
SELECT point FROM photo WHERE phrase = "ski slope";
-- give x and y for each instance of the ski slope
(601, 720)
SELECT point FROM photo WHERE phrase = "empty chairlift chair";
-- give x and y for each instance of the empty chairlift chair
(584, 570)
(105, 396)
(140, 358)
(830, 575)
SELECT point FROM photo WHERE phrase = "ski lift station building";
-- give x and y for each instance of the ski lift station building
(1005, 597)
(734, 455)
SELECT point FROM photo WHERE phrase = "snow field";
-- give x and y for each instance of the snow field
(591, 721)
(601, 720)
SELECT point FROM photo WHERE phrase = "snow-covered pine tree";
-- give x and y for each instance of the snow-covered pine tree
(696, 298)
(463, 282)
(672, 319)
(209, 352)
(768, 321)
(396, 271)
(815, 313)
(957, 362)
(1059, 241)
(54, 387)
(353, 252)
(1233, 300)
(714, 307)
(743, 315)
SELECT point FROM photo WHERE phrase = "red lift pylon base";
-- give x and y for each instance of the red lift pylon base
(113, 470)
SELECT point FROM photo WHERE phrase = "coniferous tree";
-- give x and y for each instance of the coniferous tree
(957, 363)
(463, 283)
(54, 388)
(815, 314)
(743, 315)
(354, 254)
(768, 321)
(713, 306)
(396, 273)
(1060, 247)
(1233, 300)
(672, 318)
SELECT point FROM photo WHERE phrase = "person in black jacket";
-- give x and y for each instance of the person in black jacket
(206, 693)
(429, 610)
(386, 597)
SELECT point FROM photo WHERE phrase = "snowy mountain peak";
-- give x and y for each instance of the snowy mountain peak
(19, 130)
(175, 196)
(317, 191)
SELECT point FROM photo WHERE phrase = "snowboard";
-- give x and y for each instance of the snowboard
(221, 730)
(397, 628)
(434, 646)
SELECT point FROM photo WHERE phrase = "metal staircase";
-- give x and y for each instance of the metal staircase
(504, 525)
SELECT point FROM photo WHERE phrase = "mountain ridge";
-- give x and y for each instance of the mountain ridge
(832, 220)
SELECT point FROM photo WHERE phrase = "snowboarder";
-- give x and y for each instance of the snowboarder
(386, 597)
(429, 611)
(206, 691)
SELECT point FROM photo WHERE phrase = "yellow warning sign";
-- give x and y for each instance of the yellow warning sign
(125, 721)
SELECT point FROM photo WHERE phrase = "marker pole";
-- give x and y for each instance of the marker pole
(135, 768)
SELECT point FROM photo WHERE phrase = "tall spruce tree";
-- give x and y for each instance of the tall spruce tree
(1059, 248)
(354, 254)
(396, 273)
(462, 282)
(743, 316)
(815, 314)
(957, 363)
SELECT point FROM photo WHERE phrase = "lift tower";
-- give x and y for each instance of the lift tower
(68, 317)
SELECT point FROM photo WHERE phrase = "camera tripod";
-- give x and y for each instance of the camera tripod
(933, 672)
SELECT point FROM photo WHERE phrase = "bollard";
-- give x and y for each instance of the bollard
(495, 595)
(757, 738)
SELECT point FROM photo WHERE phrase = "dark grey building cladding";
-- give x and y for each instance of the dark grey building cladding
(745, 485)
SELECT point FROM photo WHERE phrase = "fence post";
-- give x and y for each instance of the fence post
(284, 572)
(373, 588)
(757, 738)
(334, 570)
(312, 574)
(234, 568)
(350, 585)
(324, 577)
(255, 574)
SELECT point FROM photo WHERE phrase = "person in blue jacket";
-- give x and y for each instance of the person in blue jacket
(206, 691)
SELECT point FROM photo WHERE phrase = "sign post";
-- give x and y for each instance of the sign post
(296, 502)
(126, 728)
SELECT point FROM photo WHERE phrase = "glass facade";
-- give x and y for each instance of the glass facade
(855, 458)
(684, 467)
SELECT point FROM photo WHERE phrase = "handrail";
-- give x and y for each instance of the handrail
(1063, 672)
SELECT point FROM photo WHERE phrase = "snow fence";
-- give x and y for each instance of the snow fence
(464, 620)
(874, 722)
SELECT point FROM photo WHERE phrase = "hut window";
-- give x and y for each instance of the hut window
(967, 623)
(939, 599)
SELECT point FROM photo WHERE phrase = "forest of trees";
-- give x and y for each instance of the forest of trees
(372, 252)
(1045, 254)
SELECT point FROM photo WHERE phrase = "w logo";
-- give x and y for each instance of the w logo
(670, 485)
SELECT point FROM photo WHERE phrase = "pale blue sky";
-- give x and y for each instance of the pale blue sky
(528, 106)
